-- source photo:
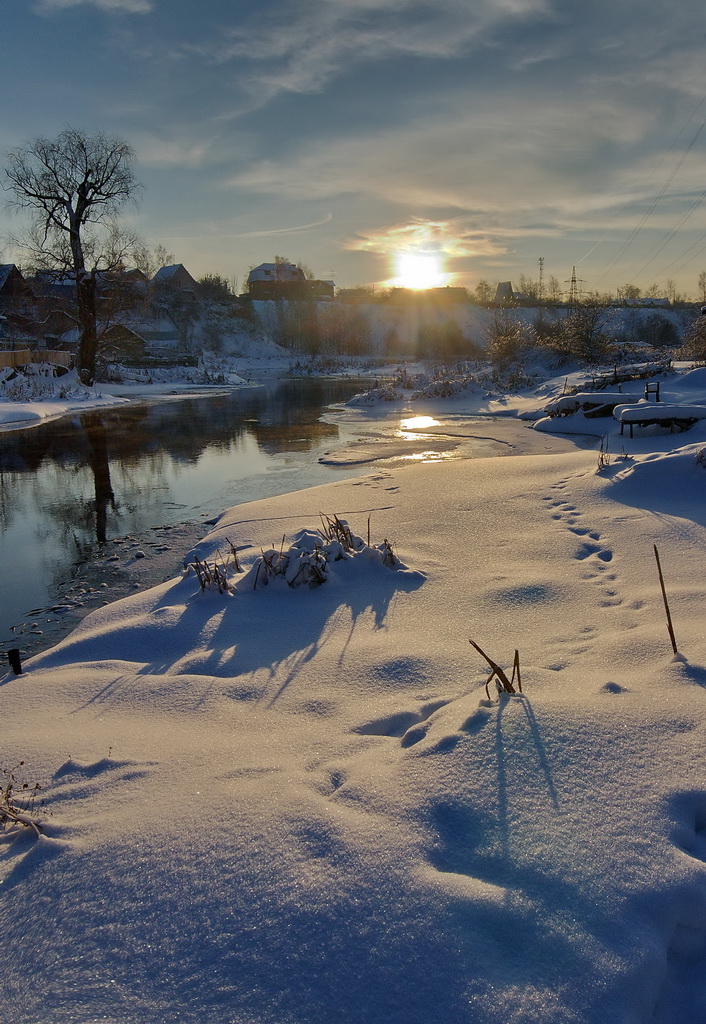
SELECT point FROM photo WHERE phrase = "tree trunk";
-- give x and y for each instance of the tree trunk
(88, 341)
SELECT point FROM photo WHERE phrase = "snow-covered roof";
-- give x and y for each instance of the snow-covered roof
(276, 272)
(167, 273)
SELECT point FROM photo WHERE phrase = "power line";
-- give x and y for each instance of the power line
(672, 146)
(689, 260)
(670, 234)
(623, 249)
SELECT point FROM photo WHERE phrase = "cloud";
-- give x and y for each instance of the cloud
(449, 238)
(491, 157)
(306, 44)
(121, 6)
(287, 231)
(159, 152)
(187, 147)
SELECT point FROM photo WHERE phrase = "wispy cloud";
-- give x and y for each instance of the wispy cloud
(307, 44)
(491, 157)
(120, 6)
(449, 238)
(287, 231)
(186, 147)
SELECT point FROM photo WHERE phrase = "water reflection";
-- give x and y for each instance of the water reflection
(69, 486)
(418, 423)
(96, 433)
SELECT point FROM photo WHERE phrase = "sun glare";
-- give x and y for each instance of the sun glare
(419, 270)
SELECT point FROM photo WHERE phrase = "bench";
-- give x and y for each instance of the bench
(646, 414)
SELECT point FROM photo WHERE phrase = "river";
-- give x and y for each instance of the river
(97, 504)
(84, 497)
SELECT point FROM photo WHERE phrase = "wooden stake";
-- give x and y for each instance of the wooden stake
(670, 628)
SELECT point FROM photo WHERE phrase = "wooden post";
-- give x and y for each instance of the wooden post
(670, 628)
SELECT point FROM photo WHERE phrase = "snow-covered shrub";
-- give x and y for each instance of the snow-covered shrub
(307, 561)
(405, 380)
(701, 457)
(385, 393)
(41, 387)
(442, 389)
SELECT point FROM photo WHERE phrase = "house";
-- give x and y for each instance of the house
(125, 286)
(504, 293)
(177, 281)
(122, 286)
(286, 281)
(12, 284)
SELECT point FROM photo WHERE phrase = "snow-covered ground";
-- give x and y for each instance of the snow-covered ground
(295, 805)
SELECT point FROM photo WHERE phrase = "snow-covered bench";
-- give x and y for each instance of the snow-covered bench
(592, 403)
(645, 414)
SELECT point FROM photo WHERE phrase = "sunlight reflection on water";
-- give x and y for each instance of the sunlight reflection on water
(430, 456)
(418, 423)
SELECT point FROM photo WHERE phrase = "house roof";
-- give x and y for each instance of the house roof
(276, 272)
(167, 273)
(7, 270)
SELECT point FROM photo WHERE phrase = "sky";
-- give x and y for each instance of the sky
(481, 134)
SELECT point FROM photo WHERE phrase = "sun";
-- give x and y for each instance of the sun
(419, 270)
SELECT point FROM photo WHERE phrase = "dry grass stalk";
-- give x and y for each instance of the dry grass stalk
(503, 684)
(516, 670)
(334, 528)
(211, 575)
(388, 555)
(19, 802)
(234, 555)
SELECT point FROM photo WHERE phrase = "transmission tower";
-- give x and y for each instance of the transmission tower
(574, 292)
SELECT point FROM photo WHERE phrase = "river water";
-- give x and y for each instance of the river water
(97, 504)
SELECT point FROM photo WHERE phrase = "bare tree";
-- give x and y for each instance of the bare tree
(529, 288)
(629, 292)
(149, 262)
(702, 286)
(673, 295)
(553, 289)
(484, 291)
(74, 186)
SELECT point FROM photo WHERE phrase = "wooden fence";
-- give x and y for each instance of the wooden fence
(22, 356)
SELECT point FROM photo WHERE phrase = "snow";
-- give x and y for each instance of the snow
(297, 805)
(657, 410)
(30, 413)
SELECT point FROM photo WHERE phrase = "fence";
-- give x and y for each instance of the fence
(20, 357)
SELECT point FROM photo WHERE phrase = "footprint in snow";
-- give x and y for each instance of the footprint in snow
(409, 726)
(586, 550)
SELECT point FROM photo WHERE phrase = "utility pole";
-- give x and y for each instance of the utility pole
(540, 288)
